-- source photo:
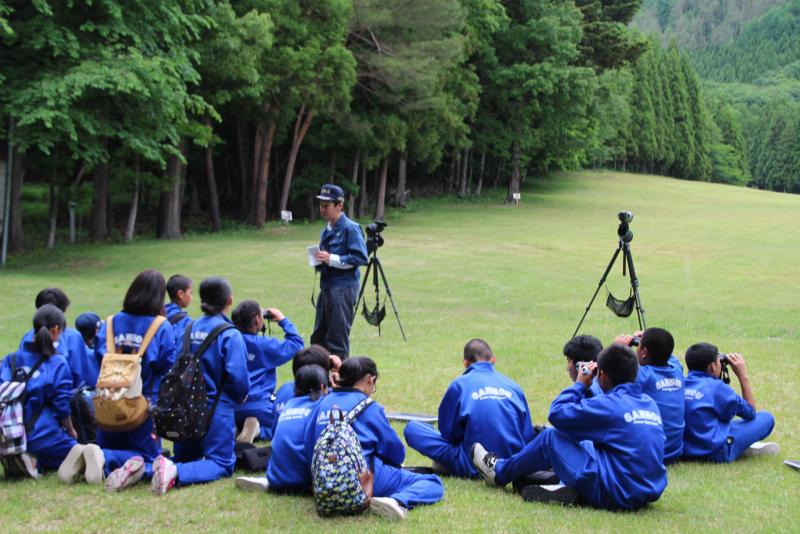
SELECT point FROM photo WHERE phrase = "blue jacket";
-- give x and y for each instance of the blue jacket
(376, 435)
(625, 427)
(346, 240)
(288, 468)
(49, 387)
(129, 331)
(665, 385)
(264, 355)
(227, 356)
(711, 405)
(170, 310)
(83, 365)
(284, 394)
(484, 406)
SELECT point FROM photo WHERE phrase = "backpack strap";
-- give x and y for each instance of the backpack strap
(151, 332)
(206, 342)
(32, 421)
(176, 317)
(357, 409)
(187, 338)
(110, 348)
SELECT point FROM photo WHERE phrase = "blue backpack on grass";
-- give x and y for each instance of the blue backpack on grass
(340, 476)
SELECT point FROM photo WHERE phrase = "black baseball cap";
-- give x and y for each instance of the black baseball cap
(331, 193)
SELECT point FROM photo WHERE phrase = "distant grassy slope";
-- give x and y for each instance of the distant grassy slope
(715, 263)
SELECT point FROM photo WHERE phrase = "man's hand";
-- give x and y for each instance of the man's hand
(736, 361)
(586, 372)
(277, 315)
(324, 257)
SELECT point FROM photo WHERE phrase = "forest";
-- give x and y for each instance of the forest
(140, 118)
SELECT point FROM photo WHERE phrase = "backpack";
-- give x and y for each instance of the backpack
(82, 415)
(13, 427)
(340, 477)
(182, 408)
(118, 403)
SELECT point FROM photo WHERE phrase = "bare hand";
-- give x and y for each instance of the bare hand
(586, 373)
(324, 257)
(736, 361)
(624, 339)
(277, 315)
(336, 362)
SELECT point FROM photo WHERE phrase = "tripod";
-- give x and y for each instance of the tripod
(374, 266)
(625, 237)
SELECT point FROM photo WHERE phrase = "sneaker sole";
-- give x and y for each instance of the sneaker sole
(248, 485)
(76, 463)
(563, 496)
(159, 485)
(765, 449)
(132, 472)
(488, 477)
(249, 433)
(387, 510)
(94, 464)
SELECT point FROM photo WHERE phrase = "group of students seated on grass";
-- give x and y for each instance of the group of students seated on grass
(612, 431)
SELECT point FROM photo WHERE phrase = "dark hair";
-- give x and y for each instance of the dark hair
(309, 380)
(477, 350)
(45, 318)
(583, 348)
(177, 282)
(54, 296)
(312, 355)
(244, 314)
(145, 295)
(619, 363)
(659, 344)
(214, 295)
(354, 369)
(700, 355)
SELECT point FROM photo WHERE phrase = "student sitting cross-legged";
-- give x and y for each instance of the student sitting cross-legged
(481, 405)
(712, 432)
(395, 490)
(607, 450)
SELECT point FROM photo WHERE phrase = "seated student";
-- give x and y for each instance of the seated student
(583, 349)
(264, 355)
(661, 377)
(143, 302)
(608, 450)
(46, 412)
(70, 344)
(179, 289)
(711, 431)
(395, 490)
(88, 324)
(481, 405)
(287, 470)
(225, 371)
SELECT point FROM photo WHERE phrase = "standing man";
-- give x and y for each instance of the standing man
(342, 250)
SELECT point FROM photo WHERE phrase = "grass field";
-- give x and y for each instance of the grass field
(716, 263)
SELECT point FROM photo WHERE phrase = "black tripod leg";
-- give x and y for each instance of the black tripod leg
(389, 293)
(363, 285)
(635, 286)
(599, 285)
(377, 287)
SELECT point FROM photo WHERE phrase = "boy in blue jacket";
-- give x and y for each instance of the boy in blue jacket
(608, 450)
(661, 377)
(179, 289)
(481, 405)
(711, 431)
(582, 349)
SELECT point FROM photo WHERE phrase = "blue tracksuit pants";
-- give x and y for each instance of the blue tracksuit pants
(742, 435)
(209, 458)
(574, 463)
(335, 318)
(406, 487)
(52, 450)
(265, 419)
(429, 442)
(118, 447)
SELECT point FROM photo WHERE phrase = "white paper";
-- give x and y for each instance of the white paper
(313, 249)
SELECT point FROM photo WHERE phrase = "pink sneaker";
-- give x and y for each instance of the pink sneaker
(164, 475)
(127, 475)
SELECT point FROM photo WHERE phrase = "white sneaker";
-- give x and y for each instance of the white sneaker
(484, 461)
(126, 476)
(763, 448)
(388, 508)
(251, 429)
(95, 461)
(164, 475)
(73, 466)
(259, 484)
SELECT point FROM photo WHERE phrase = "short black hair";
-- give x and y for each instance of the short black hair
(583, 348)
(619, 363)
(45, 318)
(214, 295)
(477, 350)
(700, 355)
(54, 296)
(355, 368)
(659, 344)
(311, 355)
(244, 314)
(310, 380)
(145, 295)
(177, 282)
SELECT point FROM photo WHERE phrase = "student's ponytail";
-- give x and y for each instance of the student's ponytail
(354, 369)
(310, 380)
(44, 319)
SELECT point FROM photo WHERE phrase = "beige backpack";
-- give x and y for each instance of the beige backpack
(118, 403)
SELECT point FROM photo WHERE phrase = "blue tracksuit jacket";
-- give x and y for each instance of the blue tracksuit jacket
(129, 331)
(486, 407)
(284, 394)
(171, 309)
(346, 240)
(83, 365)
(628, 436)
(288, 468)
(665, 385)
(711, 405)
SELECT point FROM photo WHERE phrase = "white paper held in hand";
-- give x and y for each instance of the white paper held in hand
(312, 261)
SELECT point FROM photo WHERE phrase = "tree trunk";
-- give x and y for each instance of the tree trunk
(213, 195)
(400, 195)
(242, 149)
(513, 185)
(171, 225)
(381, 204)
(52, 216)
(480, 174)
(194, 197)
(261, 181)
(16, 237)
(130, 228)
(451, 178)
(98, 226)
(362, 194)
(462, 183)
(469, 177)
(351, 198)
(301, 126)
(257, 146)
(496, 183)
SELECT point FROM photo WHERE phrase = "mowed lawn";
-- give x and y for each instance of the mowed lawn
(716, 263)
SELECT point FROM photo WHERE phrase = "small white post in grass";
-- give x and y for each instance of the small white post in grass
(517, 197)
(286, 216)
